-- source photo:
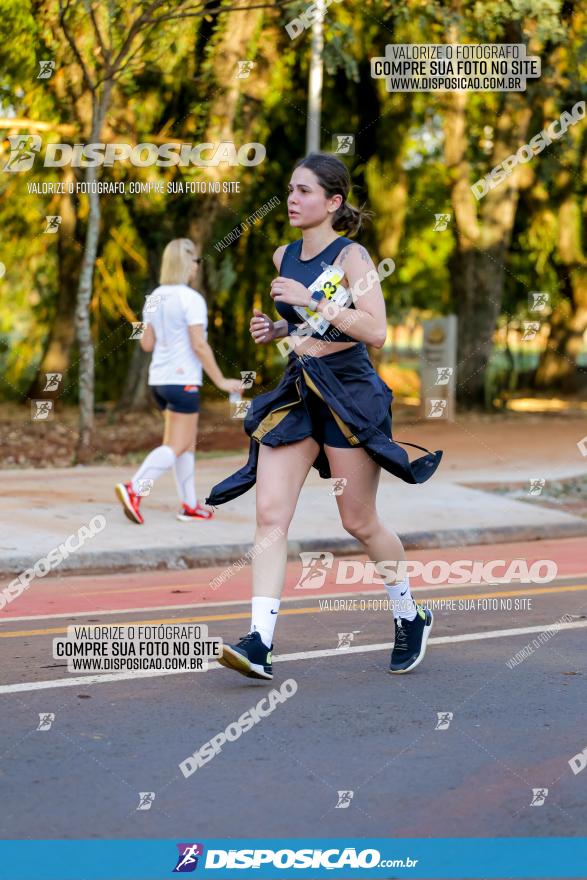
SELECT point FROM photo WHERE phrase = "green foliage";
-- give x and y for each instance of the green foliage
(169, 90)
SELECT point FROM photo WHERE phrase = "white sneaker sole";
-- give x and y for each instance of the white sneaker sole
(420, 657)
(233, 660)
(182, 517)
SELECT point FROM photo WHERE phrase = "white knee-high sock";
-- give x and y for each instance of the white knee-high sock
(156, 463)
(403, 604)
(263, 617)
(184, 468)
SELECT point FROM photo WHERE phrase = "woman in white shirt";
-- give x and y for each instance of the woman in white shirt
(176, 322)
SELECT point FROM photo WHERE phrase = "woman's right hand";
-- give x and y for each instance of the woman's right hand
(231, 385)
(262, 328)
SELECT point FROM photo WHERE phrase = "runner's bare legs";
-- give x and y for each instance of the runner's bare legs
(281, 472)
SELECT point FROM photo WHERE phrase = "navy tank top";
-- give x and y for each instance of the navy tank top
(306, 272)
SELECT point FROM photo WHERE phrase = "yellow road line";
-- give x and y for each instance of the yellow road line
(13, 634)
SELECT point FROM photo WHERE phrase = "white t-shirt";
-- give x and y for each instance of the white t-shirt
(170, 310)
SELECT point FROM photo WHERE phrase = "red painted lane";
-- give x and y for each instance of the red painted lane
(117, 592)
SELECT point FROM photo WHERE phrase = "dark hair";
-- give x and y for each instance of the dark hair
(334, 178)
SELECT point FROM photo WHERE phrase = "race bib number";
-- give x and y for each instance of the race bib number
(328, 281)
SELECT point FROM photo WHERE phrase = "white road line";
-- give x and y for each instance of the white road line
(303, 597)
(85, 680)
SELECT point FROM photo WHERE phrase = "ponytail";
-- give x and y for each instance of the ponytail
(349, 219)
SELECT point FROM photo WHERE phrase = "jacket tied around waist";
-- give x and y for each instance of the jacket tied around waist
(359, 401)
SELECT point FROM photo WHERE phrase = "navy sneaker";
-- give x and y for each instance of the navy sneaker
(249, 656)
(410, 640)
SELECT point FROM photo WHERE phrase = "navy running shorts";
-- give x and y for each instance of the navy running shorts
(177, 398)
(325, 429)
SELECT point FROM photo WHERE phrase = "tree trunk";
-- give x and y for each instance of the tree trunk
(477, 264)
(84, 294)
(568, 322)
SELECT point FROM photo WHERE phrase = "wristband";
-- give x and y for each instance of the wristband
(315, 298)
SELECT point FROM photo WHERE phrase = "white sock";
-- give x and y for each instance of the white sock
(263, 617)
(403, 601)
(184, 478)
(156, 463)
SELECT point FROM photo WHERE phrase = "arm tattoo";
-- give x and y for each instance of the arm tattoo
(364, 253)
(342, 255)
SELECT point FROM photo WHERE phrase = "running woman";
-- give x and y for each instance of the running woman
(176, 321)
(330, 410)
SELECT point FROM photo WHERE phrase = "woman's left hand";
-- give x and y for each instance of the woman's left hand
(287, 290)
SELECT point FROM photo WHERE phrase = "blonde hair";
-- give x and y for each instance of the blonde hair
(177, 261)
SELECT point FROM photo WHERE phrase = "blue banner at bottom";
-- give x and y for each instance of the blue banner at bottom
(304, 858)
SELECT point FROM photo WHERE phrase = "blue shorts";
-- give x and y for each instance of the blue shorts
(325, 428)
(177, 398)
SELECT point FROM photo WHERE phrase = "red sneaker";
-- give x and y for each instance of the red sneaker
(130, 502)
(198, 512)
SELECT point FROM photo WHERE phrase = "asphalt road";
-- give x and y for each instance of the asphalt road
(349, 727)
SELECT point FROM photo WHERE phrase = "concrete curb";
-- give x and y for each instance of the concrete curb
(203, 556)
